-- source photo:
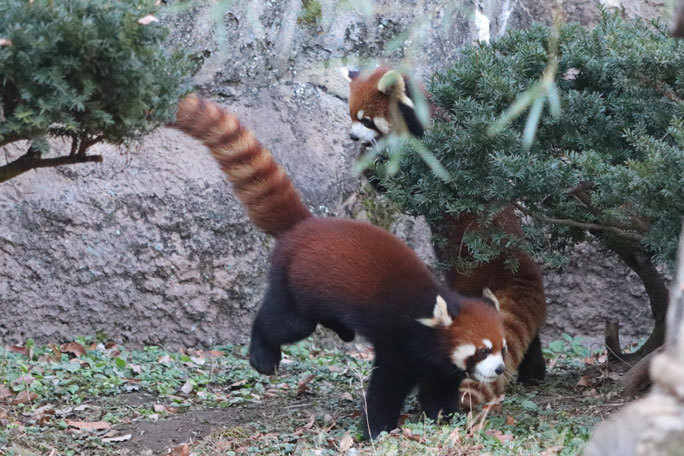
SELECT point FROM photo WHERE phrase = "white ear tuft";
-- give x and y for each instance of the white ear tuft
(440, 315)
(391, 82)
(349, 73)
(487, 293)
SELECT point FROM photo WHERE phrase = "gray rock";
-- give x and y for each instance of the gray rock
(151, 246)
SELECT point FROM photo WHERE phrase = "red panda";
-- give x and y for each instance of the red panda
(351, 277)
(381, 103)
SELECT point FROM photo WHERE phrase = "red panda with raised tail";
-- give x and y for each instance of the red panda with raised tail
(351, 277)
(381, 102)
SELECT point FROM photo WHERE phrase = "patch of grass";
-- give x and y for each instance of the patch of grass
(311, 407)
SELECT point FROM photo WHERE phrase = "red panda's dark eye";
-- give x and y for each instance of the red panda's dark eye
(368, 123)
(485, 351)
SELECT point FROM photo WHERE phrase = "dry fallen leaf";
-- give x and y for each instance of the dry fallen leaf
(584, 381)
(510, 420)
(301, 384)
(166, 359)
(147, 20)
(347, 396)
(161, 408)
(198, 360)
(214, 353)
(23, 350)
(346, 442)
(120, 438)
(89, 425)
(312, 419)
(406, 432)
(5, 392)
(44, 410)
(181, 450)
(24, 397)
(73, 347)
(454, 437)
(500, 436)
(24, 380)
(187, 387)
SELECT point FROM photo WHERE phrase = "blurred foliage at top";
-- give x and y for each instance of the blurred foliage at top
(89, 71)
(611, 165)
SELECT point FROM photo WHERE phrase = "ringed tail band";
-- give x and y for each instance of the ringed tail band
(271, 200)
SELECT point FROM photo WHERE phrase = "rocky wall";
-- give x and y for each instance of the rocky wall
(151, 246)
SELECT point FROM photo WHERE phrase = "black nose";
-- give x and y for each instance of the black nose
(353, 137)
(499, 370)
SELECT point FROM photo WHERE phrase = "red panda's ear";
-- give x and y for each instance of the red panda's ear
(391, 82)
(349, 73)
(440, 315)
(487, 293)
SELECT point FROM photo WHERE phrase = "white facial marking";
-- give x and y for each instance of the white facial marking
(461, 353)
(504, 344)
(485, 370)
(363, 133)
(487, 343)
(359, 115)
(382, 124)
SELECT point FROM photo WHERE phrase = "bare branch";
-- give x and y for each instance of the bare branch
(621, 232)
(30, 161)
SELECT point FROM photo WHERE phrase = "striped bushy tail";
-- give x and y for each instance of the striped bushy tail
(263, 187)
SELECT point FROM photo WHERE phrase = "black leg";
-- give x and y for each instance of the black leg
(344, 332)
(390, 383)
(439, 392)
(532, 369)
(276, 323)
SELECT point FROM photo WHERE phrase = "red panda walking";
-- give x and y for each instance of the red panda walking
(381, 102)
(352, 277)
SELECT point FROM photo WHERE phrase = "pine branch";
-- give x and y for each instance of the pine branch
(31, 160)
(621, 232)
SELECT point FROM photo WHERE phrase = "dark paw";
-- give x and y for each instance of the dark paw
(532, 376)
(374, 431)
(264, 359)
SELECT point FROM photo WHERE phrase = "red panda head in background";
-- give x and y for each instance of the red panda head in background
(474, 337)
(379, 103)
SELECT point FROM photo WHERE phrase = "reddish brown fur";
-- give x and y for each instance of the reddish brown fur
(350, 276)
(521, 294)
(473, 321)
(364, 95)
(272, 202)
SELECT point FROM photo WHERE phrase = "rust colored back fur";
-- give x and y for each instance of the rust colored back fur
(263, 187)
(520, 295)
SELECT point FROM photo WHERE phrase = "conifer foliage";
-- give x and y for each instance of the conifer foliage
(88, 71)
(609, 168)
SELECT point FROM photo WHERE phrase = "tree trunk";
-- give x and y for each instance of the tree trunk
(653, 426)
(640, 262)
(678, 24)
